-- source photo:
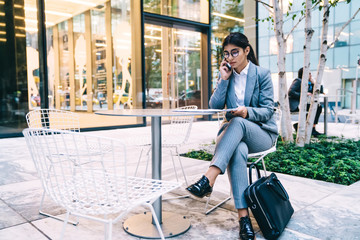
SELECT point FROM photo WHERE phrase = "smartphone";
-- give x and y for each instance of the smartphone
(228, 66)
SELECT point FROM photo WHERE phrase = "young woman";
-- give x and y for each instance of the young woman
(250, 128)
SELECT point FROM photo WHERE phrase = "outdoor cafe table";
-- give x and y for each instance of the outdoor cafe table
(172, 224)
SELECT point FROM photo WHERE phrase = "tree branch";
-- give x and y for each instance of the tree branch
(342, 28)
(295, 26)
(300, 19)
(264, 3)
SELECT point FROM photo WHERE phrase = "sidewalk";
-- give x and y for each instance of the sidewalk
(322, 210)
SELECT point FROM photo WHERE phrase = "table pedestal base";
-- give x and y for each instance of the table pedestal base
(141, 225)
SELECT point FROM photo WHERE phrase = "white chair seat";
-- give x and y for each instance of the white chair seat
(103, 201)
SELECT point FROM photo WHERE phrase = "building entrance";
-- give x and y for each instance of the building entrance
(172, 67)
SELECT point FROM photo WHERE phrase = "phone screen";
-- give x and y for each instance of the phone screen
(228, 66)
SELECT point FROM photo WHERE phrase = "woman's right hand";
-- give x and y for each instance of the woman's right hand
(224, 71)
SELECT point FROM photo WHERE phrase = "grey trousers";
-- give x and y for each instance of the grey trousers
(235, 140)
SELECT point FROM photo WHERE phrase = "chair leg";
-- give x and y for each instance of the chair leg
(108, 230)
(172, 159)
(156, 221)
(52, 216)
(64, 224)
(138, 163)
(217, 205)
(177, 179)
(147, 162)
(182, 168)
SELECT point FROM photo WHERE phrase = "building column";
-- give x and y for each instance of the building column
(250, 23)
(109, 56)
(89, 62)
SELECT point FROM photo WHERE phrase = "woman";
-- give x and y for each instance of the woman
(250, 128)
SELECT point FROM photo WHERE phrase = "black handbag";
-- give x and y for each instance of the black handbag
(269, 203)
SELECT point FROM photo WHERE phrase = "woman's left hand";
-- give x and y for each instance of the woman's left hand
(240, 112)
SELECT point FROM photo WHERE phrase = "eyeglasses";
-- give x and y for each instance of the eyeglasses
(234, 53)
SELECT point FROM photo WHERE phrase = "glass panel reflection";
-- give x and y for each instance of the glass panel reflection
(121, 31)
(64, 86)
(226, 16)
(195, 10)
(172, 67)
(99, 57)
(80, 62)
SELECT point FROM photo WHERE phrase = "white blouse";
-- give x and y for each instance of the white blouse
(240, 84)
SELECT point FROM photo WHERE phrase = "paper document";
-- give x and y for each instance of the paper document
(205, 110)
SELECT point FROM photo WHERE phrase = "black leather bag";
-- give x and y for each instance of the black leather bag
(269, 203)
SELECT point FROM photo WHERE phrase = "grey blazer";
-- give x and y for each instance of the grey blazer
(259, 97)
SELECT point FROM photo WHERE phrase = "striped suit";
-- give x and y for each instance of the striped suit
(238, 136)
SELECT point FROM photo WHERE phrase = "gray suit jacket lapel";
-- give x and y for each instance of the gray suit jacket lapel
(231, 93)
(250, 84)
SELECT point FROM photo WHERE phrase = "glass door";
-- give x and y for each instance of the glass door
(172, 67)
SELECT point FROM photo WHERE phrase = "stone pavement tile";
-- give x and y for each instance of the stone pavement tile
(334, 217)
(21, 232)
(25, 198)
(294, 235)
(222, 224)
(304, 191)
(19, 170)
(9, 217)
(13, 149)
(86, 229)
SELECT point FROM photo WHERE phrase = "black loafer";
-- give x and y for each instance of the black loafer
(315, 133)
(201, 188)
(246, 229)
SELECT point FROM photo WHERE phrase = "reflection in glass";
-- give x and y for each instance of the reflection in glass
(226, 16)
(195, 10)
(80, 62)
(64, 85)
(121, 30)
(172, 67)
(99, 57)
(50, 66)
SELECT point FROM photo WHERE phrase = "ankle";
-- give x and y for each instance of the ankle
(212, 174)
(211, 179)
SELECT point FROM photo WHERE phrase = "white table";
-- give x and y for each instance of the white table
(142, 225)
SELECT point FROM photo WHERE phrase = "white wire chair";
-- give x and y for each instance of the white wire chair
(350, 118)
(87, 175)
(53, 119)
(174, 136)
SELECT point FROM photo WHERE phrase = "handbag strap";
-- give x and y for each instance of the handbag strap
(253, 165)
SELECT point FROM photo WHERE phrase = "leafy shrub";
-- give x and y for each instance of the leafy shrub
(335, 160)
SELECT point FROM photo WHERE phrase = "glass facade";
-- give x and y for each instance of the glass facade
(172, 67)
(341, 57)
(112, 55)
(226, 16)
(13, 68)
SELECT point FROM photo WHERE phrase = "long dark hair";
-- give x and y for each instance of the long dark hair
(242, 41)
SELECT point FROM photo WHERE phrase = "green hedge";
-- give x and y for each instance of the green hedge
(331, 160)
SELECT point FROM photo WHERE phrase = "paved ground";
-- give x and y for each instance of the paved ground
(322, 210)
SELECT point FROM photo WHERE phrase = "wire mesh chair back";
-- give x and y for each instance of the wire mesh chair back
(178, 131)
(87, 174)
(54, 119)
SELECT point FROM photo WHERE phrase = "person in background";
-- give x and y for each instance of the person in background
(294, 99)
(250, 128)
